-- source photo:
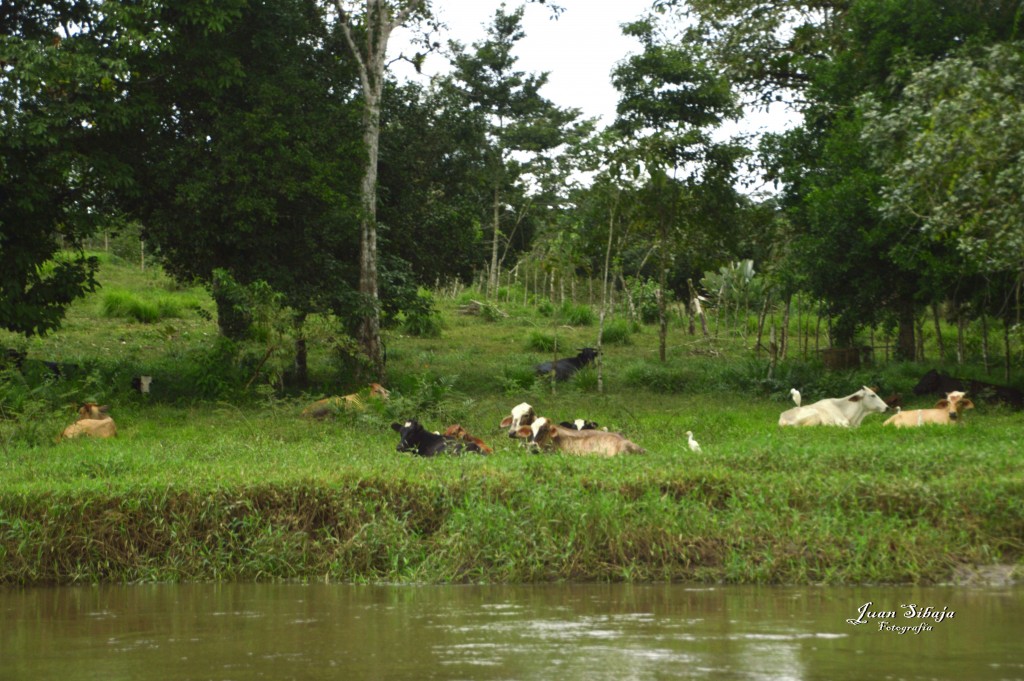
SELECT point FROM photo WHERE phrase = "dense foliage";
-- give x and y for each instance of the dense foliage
(264, 143)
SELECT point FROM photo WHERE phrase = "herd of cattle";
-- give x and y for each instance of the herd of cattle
(583, 437)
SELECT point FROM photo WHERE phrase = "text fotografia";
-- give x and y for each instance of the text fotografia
(920, 618)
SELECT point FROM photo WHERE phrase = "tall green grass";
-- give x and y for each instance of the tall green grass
(216, 475)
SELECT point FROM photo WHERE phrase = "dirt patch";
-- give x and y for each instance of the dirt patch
(988, 575)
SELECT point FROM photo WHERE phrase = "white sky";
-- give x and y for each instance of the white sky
(578, 50)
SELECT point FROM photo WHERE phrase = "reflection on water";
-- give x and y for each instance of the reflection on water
(223, 632)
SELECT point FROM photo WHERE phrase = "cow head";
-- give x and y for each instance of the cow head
(522, 415)
(91, 410)
(955, 402)
(377, 390)
(410, 434)
(587, 355)
(869, 400)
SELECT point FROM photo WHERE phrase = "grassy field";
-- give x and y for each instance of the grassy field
(211, 480)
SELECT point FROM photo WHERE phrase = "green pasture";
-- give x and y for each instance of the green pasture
(214, 476)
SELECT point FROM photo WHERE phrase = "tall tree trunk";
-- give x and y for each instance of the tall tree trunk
(492, 280)
(301, 352)
(784, 331)
(905, 346)
(379, 20)
(938, 332)
(604, 300)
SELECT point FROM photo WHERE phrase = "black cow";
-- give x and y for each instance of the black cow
(13, 358)
(937, 383)
(563, 369)
(418, 440)
(579, 424)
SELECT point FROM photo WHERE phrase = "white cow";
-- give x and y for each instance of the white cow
(847, 412)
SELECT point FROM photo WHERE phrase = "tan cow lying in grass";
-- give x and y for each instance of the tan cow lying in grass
(547, 435)
(93, 421)
(332, 405)
(945, 412)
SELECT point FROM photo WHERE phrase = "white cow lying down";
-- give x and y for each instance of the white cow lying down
(846, 411)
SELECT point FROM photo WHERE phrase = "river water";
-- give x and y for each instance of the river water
(226, 632)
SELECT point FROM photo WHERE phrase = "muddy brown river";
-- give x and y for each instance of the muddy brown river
(226, 632)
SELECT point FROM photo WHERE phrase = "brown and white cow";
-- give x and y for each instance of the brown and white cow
(945, 412)
(522, 415)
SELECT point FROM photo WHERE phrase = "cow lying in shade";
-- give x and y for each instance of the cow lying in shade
(847, 412)
(563, 369)
(413, 437)
(547, 435)
(333, 405)
(457, 432)
(93, 421)
(945, 412)
(937, 383)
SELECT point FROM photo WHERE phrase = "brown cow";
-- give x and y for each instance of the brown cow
(332, 405)
(947, 411)
(93, 421)
(457, 432)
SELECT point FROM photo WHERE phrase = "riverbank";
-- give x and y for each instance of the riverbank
(215, 476)
(257, 494)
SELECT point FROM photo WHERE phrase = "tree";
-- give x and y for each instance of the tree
(952, 149)
(431, 182)
(236, 164)
(521, 125)
(671, 99)
(867, 266)
(56, 99)
(367, 35)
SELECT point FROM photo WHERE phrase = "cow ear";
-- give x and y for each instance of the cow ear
(942, 404)
(397, 427)
(506, 422)
(967, 403)
(855, 398)
(524, 431)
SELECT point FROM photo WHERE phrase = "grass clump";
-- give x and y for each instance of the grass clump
(618, 332)
(577, 314)
(118, 303)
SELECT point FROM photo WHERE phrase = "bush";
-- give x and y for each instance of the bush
(538, 341)
(118, 303)
(421, 318)
(617, 332)
(577, 315)
(516, 380)
(659, 379)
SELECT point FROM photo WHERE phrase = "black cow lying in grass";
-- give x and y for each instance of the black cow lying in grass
(414, 438)
(937, 383)
(579, 424)
(563, 369)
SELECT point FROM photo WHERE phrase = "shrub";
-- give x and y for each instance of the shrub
(517, 379)
(658, 379)
(538, 341)
(124, 304)
(617, 332)
(421, 318)
(577, 315)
